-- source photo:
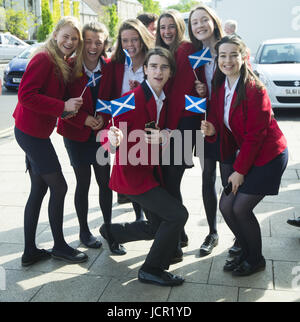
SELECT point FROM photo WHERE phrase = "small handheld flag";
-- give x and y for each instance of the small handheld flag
(128, 58)
(122, 105)
(195, 104)
(200, 58)
(92, 82)
(103, 106)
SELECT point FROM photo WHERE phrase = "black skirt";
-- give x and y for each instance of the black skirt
(83, 153)
(41, 157)
(265, 180)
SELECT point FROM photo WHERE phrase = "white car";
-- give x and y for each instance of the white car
(10, 46)
(277, 64)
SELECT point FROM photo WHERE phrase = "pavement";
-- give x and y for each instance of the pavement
(108, 278)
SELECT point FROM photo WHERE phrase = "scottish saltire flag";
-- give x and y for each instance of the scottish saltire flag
(128, 58)
(94, 79)
(195, 104)
(200, 58)
(122, 105)
(103, 106)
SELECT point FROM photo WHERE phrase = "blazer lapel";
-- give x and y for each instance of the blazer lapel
(150, 102)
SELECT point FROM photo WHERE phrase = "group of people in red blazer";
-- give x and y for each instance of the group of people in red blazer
(240, 131)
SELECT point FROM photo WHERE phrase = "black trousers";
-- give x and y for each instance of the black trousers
(166, 217)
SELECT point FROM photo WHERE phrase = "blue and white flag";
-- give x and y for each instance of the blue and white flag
(195, 104)
(122, 105)
(200, 58)
(103, 106)
(94, 79)
(128, 58)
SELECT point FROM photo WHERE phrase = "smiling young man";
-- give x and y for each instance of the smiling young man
(165, 214)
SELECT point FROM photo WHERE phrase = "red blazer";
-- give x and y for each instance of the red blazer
(116, 70)
(74, 128)
(183, 83)
(40, 97)
(254, 131)
(135, 179)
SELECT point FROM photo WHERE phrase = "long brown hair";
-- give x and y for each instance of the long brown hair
(145, 37)
(218, 31)
(180, 30)
(246, 74)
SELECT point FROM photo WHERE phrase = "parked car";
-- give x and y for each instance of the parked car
(16, 67)
(277, 63)
(10, 46)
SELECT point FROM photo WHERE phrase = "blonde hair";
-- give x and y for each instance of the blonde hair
(180, 30)
(145, 36)
(63, 68)
(98, 27)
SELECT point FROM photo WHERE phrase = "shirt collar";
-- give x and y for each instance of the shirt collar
(231, 90)
(96, 69)
(162, 95)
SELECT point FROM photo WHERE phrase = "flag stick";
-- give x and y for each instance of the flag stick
(113, 123)
(83, 91)
(195, 74)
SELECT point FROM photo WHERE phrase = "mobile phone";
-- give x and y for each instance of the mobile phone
(64, 114)
(228, 189)
(150, 125)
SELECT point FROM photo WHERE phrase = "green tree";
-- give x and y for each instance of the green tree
(18, 22)
(185, 5)
(67, 7)
(47, 22)
(56, 12)
(151, 6)
(113, 21)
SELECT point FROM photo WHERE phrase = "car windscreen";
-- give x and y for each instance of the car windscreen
(26, 54)
(280, 54)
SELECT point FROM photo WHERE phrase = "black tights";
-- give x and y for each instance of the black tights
(58, 189)
(237, 211)
(83, 177)
(209, 193)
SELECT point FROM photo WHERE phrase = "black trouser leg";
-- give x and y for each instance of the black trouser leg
(166, 219)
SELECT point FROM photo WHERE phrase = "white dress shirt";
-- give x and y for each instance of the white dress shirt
(209, 74)
(228, 99)
(89, 73)
(159, 100)
(129, 74)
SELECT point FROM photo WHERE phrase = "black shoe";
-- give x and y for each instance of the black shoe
(178, 256)
(232, 264)
(246, 269)
(210, 242)
(123, 199)
(294, 222)
(114, 247)
(164, 279)
(40, 255)
(184, 240)
(235, 249)
(72, 256)
(91, 242)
